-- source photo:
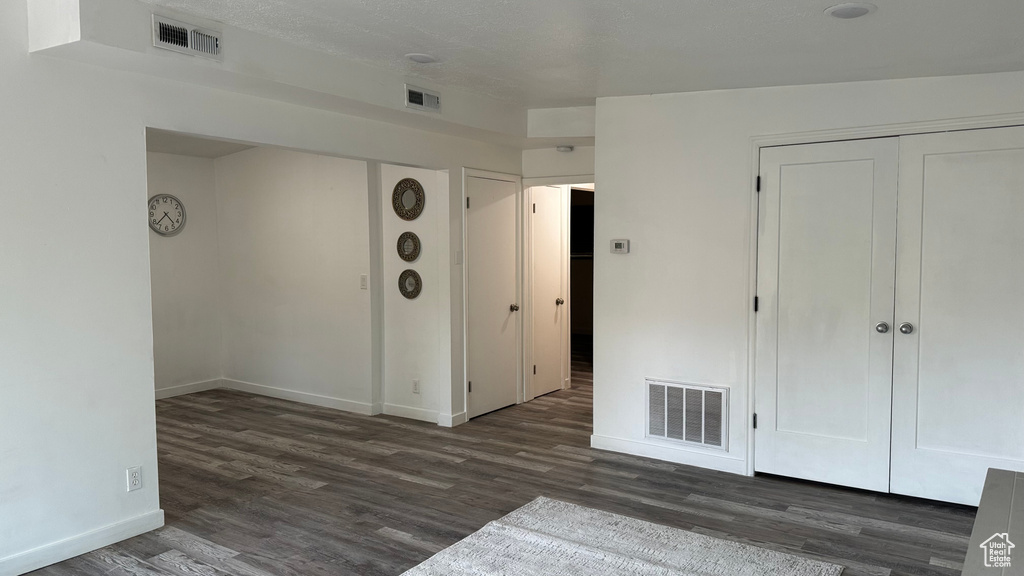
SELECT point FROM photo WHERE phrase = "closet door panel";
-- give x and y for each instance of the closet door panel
(958, 395)
(826, 272)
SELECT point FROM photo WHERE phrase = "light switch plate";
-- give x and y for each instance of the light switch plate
(620, 246)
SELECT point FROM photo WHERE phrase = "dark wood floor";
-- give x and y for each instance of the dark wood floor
(254, 486)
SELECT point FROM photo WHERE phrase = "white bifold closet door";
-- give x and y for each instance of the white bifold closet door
(958, 380)
(826, 268)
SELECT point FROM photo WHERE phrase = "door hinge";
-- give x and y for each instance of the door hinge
(535, 208)
(470, 386)
(467, 202)
(755, 420)
(756, 304)
(759, 183)
(535, 369)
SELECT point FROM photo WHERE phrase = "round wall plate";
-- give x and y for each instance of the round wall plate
(410, 284)
(408, 246)
(408, 199)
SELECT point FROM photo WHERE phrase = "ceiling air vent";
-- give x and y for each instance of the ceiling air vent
(696, 415)
(420, 99)
(185, 38)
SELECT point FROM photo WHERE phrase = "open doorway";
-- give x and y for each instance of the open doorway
(581, 286)
(561, 278)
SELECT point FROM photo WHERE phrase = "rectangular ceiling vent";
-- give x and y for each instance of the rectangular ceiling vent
(695, 415)
(420, 99)
(185, 38)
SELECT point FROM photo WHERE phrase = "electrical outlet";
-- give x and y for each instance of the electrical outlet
(134, 478)
(363, 281)
(416, 386)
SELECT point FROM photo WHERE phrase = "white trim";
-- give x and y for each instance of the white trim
(182, 389)
(793, 138)
(296, 396)
(61, 550)
(451, 420)
(411, 412)
(670, 453)
(558, 180)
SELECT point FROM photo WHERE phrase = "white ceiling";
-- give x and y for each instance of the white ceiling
(548, 53)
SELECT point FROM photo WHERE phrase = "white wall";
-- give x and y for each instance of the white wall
(186, 276)
(415, 331)
(675, 174)
(541, 163)
(76, 330)
(294, 240)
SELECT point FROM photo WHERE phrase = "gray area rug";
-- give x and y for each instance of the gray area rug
(556, 538)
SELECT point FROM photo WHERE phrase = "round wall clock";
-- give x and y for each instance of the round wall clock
(408, 199)
(166, 214)
(408, 246)
(410, 284)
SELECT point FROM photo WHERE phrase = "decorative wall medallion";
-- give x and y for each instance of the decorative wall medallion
(409, 246)
(166, 214)
(410, 284)
(408, 199)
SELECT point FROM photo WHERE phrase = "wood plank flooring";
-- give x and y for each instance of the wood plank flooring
(255, 486)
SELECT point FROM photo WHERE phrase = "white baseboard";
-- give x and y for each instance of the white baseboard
(451, 420)
(722, 463)
(377, 408)
(410, 412)
(181, 389)
(296, 396)
(76, 545)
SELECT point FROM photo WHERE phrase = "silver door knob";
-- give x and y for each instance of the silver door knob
(559, 302)
(514, 308)
(882, 327)
(906, 328)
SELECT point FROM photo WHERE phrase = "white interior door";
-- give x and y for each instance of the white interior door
(958, 385)
(492, 272)
(826, 268)
(548, 255)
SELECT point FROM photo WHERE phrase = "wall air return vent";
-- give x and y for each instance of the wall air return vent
(420, 99)
(695, 415)
(185, 38)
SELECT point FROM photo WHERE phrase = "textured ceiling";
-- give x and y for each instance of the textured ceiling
(542, 53)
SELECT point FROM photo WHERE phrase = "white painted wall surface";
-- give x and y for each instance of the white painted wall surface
(548, 162)
(76, 330)
(294, 239)
(413, 328)
(186, 275)
(675, 173)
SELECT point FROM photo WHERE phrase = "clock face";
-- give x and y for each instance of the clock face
(166, 214)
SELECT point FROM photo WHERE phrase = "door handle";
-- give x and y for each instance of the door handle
(514, 308)
(559, 302)
(882, 327)
(907, 328)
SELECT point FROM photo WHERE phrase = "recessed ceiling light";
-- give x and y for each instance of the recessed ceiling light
(421, 58)
(851, 10)
(565, 148)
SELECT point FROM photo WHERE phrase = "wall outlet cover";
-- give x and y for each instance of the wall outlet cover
(620, 246)
(134, 477)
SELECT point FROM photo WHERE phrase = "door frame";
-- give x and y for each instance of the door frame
(528, 332)
(517, 180)
(822, 136)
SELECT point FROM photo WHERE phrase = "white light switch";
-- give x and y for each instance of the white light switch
(363, 281)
